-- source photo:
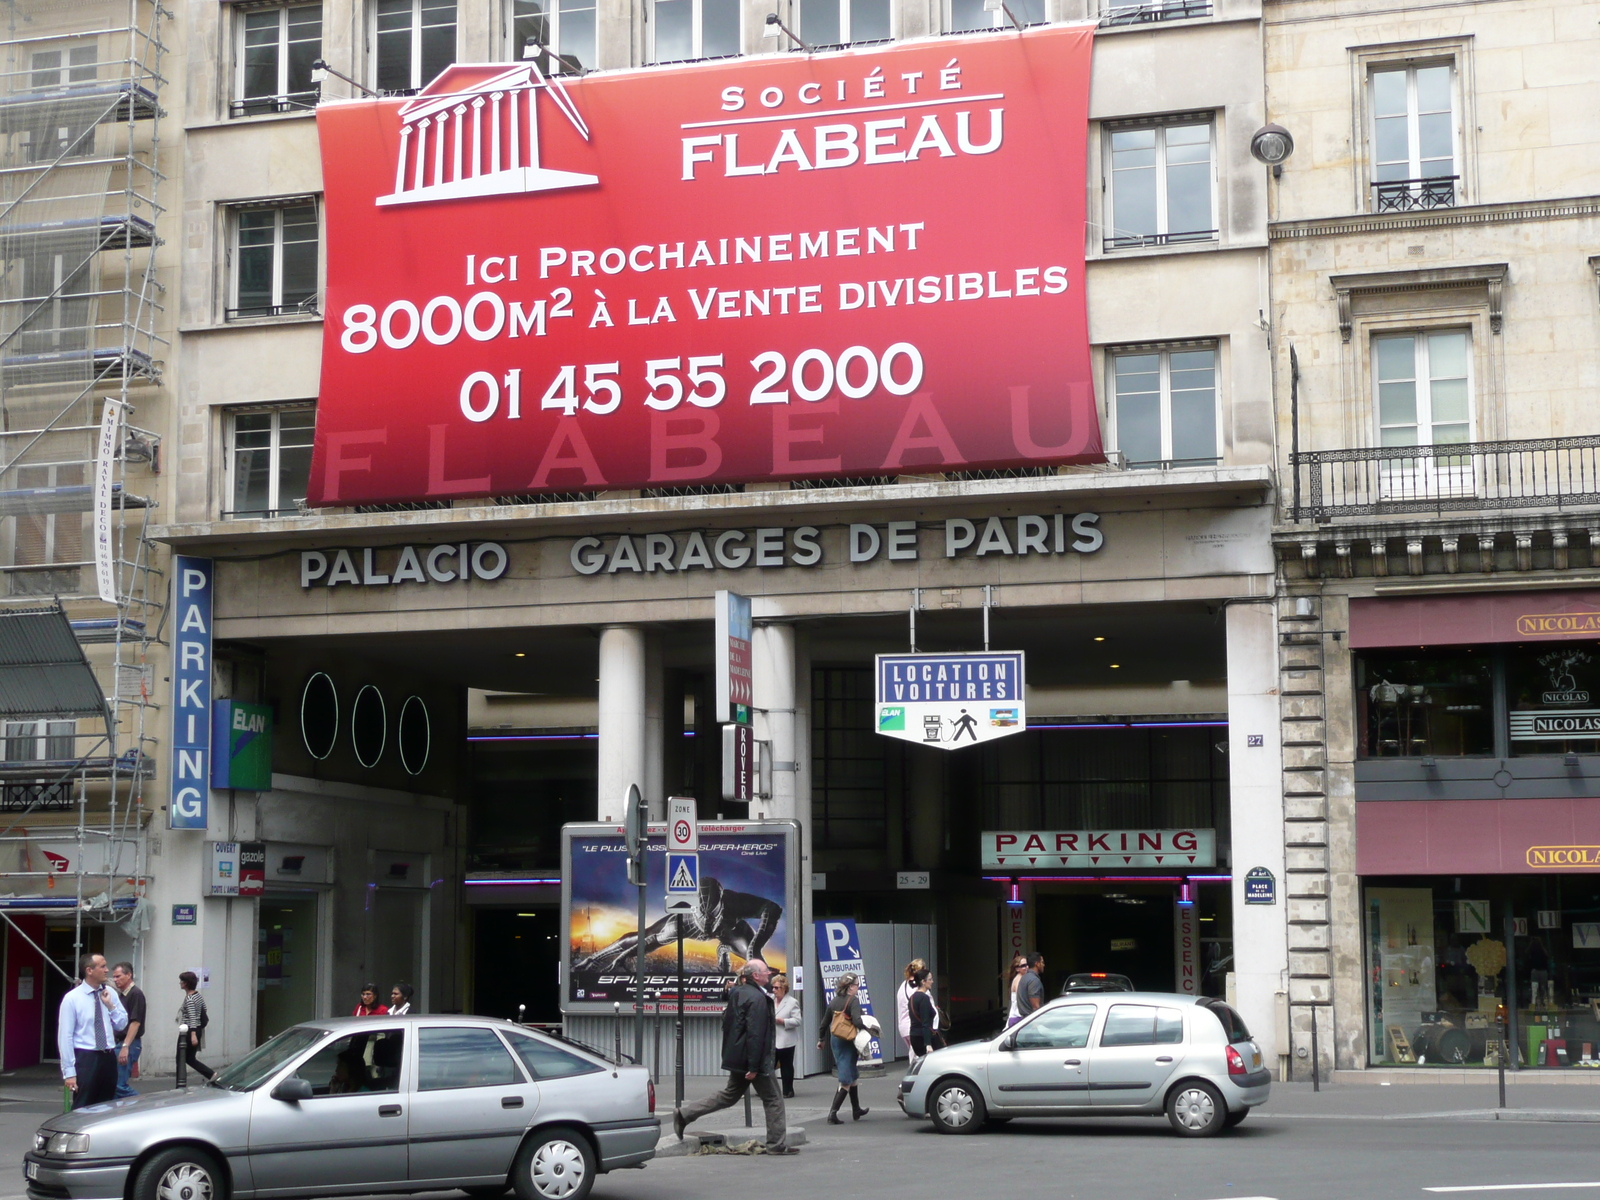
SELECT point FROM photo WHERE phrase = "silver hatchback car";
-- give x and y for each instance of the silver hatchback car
(368, 1104)
(1099, 1054)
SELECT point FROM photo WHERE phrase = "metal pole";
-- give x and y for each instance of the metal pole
(1511, 987)
(678, 1033)
(183, 1056)
(639, 955)
(988, 599)
(1316, 1054)
(1501, 1059)
(748, 1120)
(1294, 427)
(616, 1031)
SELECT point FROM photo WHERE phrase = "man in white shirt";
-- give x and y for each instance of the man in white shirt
(86, 1034)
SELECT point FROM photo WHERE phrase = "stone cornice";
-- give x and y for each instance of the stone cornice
(1434, 218)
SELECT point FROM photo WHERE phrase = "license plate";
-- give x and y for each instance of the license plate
(32, 1171)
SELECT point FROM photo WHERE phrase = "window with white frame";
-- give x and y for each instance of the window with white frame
(414, 41)
(558, 35)
(39, 741)
(1162, 185)
(269, 459)
(65, 130)
(1165, 405)
(274, 52)
(841, 22)
(1424, 387)
(47, 547)
(1414, 161)
(976, 14)
(275, 249)
(686, 29)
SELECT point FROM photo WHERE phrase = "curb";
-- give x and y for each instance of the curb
(670, 1147)
(1468, 1114)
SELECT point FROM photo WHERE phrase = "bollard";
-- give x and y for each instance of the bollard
(1316, 1054)
(1500, 1058)
(748, 1122)
(183, 1056)
(616, 1011)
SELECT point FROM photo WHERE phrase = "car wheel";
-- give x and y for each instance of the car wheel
(554, 1165)
(182, 1173)
(957, 1107)
(1196, 1110)
(1235, 1117)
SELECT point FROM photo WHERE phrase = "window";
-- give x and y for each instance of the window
(1551, 693)
(688, 29)
(275, 271)
(1420, 703)
(416, 39)
(56, 307)
(971, 14)
(1058, 1029)
(840, 22)
(558, 35)
(1135, 12)
(276, 49)
(545, 1061)
(1142, 1025)
(463, 1058)
(67, 130)
(1233, 1026)
(39, 741)
(1413, 138)
(849, 776)
(270, 451)
(1424, 388)
(42, 539)
(1160, 186)
(1166, 407)
(360, 1062)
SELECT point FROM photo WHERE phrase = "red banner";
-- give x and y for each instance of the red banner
(867, 262)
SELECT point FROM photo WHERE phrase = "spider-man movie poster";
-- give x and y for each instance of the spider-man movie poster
(741, 911)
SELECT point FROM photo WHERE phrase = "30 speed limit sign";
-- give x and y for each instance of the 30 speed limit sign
(683, 832)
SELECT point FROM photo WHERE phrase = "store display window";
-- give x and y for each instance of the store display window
(1417, 702)
(1441, 962)
(1553, 697)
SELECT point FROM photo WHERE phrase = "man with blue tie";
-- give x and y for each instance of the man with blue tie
(86, 1034)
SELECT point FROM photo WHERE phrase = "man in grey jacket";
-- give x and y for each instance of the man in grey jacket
(749, 1031)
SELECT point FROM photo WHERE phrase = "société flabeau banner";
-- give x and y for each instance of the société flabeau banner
(858, 263)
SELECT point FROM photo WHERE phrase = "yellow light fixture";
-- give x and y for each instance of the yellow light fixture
(1116, 666)
(1099, 639)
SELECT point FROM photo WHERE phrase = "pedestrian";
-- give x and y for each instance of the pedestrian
(924, 1016)
(87, 1025)
(786, 1012)
(842, 1020)
(369, 1006)
(1030, 988)
(192, 1012)
(902, 1002)
(400, 999)
(133, 1037)
(749, 1035)
(1019, 966)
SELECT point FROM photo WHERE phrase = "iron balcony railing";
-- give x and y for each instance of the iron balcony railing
(1411, 195)
(1380, 480)
(1131, 241)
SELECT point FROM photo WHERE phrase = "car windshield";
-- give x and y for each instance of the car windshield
(265, 1060)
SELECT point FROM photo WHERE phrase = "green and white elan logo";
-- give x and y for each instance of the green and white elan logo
(891, 717)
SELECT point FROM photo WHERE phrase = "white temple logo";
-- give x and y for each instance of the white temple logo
(483, 141)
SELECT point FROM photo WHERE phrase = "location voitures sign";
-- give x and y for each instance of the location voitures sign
(789, 266)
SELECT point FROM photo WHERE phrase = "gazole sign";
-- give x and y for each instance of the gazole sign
(951, 700)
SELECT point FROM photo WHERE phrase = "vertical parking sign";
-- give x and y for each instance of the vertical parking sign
(839, 953)
(191, 693)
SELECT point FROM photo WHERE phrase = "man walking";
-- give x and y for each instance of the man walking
(133, 1036)
(1030, 990)
(749, 1031)
(91, 1016)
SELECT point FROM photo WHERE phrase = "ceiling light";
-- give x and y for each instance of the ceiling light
(1099, 639)
(1116, 666)
(520, 654)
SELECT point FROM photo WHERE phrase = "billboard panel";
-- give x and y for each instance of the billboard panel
(748, 892)
(783, 266)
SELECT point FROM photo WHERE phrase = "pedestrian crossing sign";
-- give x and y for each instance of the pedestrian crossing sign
(683, 881)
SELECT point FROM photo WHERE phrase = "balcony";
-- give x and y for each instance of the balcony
(1470, 476)
(1414, 195)
(1135, 241)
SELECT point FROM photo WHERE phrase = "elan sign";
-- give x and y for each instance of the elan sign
(785, 266)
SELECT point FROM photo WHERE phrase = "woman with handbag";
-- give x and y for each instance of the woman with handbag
(842, 1022)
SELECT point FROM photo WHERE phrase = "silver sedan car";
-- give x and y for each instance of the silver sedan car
(368, 1104)
(1099, 1054)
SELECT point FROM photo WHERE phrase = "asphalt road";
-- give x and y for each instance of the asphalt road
(1347, 1142)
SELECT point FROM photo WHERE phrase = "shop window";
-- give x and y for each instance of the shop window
(414, 41)
(1442, 959)
(972, 15)
(1553, 696)
(65, 130)
(463, 1058)
(1413, 148)
(275, 260)
(1162, 184)
(269, 460)
(1166, 407)
(1419, 703)
(840, 22)
(276, 47)
(690, 29)
(558, 36)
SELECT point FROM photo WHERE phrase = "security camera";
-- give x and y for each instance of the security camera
(1272, 144)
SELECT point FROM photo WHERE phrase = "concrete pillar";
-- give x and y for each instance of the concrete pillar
(623, 704)
(655, 702)
(772, 653)
(1255, 772)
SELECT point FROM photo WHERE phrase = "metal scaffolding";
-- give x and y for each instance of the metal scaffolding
(81, 314)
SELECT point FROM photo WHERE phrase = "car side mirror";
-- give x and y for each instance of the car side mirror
(292, 1089)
